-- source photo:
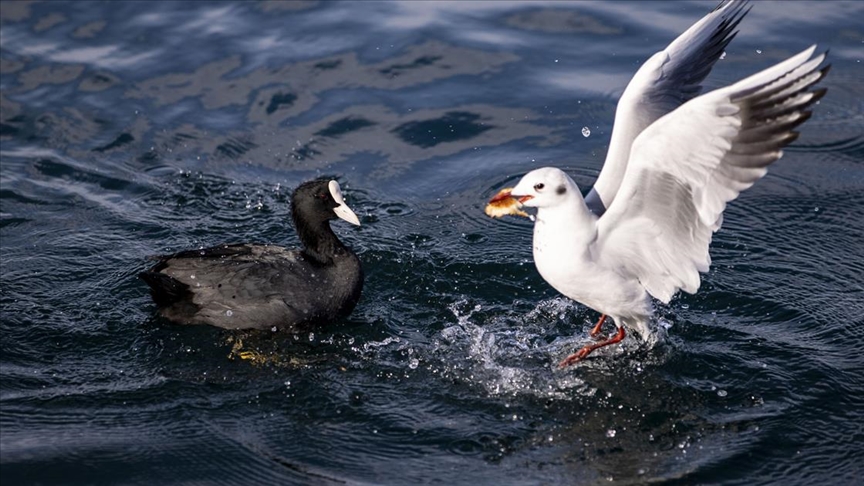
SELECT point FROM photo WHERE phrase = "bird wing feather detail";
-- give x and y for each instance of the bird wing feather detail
(684, 168)
(668, 79)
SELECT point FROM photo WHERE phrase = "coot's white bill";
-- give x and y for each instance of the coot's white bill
(342, 210)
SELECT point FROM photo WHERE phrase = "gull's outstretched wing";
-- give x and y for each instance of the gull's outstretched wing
(687, 165)
(666, 81)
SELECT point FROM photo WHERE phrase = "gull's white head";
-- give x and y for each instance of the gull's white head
(544, 188)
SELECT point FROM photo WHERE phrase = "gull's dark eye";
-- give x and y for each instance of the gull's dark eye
(539, 186)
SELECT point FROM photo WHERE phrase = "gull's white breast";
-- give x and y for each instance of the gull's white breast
(563, 254)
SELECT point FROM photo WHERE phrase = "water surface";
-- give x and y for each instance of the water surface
(136, 128)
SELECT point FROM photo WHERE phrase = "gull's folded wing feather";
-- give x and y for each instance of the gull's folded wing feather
(687, 165)
(666, 81)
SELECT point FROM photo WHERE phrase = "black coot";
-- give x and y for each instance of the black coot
(254, 286)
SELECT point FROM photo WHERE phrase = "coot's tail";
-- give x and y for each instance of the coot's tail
(164, 289)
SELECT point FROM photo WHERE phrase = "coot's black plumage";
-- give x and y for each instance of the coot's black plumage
(254, 286)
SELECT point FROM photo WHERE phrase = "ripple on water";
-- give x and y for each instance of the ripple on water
(191, 125)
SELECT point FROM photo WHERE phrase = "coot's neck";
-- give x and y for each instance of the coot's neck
(319, 242)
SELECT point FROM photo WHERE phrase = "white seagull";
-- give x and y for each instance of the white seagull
(675, 160)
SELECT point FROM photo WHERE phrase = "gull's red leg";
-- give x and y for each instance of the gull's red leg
(597, 327)
(576, 357)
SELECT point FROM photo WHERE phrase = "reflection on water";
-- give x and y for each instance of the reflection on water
(130, 129)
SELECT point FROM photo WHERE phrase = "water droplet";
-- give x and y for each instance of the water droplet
(311, 336)
(229, 313)
(610, 433)
(287, 382)
(414, 363)
(722, 393)
(758, 51)
(586, 132)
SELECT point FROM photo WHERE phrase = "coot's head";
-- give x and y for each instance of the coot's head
(319, 201)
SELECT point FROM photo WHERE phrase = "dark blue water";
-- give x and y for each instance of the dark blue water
(135, 128)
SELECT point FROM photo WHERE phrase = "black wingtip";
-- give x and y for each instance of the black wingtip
(730, 39)
(818, 94)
